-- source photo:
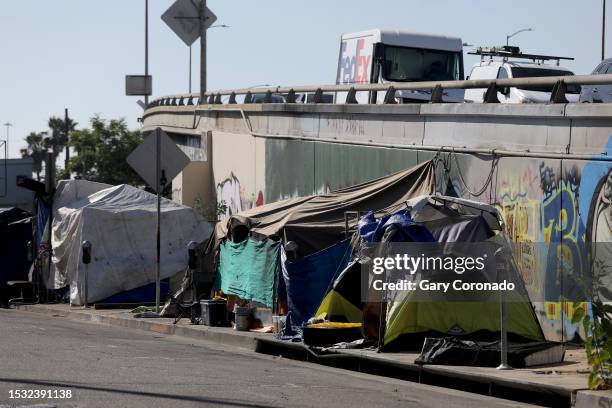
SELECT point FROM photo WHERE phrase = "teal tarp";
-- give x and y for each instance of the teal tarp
(248, 269)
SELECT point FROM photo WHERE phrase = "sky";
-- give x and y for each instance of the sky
(74, 54)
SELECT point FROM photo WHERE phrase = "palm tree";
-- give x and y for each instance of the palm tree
(60, 131)
(35, 150)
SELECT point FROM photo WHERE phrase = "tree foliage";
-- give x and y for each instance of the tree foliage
(101, 152)
(59, 136)
(35, 150)
(598, 329)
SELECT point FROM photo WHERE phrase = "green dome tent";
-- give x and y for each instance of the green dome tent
(405, 318)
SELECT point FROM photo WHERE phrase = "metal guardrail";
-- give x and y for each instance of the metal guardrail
(492, 86)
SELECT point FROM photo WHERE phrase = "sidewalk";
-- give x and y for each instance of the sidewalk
(562, 383)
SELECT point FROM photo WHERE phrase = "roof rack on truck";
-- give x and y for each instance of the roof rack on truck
(514, 52)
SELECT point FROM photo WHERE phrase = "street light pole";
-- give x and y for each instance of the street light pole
(8, 125)
(202, 50)
(509, 36)
(215, 26)
(603, 32)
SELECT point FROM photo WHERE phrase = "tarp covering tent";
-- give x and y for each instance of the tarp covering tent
(119, 221)
(307, 279)
(248, 269)
(406, 321)
(317, 222)
(313, 223)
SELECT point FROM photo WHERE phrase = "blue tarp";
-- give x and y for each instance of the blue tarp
(399, 227)
(307, 279)
(143, 294)
(42, 216)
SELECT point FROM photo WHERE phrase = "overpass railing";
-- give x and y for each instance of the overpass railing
(317, 93)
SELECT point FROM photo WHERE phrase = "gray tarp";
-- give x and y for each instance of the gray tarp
(120, 222)
(316, 222)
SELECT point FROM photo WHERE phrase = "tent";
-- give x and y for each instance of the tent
(403, 319)
(119, 221)
(307, 279)
(317, 222)
(248, 255)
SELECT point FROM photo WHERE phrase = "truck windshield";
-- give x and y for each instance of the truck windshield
(526, 72)
(417, 64)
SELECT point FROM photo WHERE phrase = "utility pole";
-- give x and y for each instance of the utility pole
(202, 50)
(146, 97)
(67, 131)
(603, 32)
(8, 125)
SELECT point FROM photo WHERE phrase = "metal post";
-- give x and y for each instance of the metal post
(86, 255)
(158, 182)
(50, 190)
(503, 318)
(603, 32)
(86, 286)
(67, 131)
(202, 50)
(8, 125)
(146, 97)
(190, 69)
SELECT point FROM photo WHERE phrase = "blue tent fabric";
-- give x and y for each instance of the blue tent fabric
(143, 294)
(396, 227)
(42, 216)
(307, 279)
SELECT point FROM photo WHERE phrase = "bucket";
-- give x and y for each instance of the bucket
(241, 315)
(275, 324)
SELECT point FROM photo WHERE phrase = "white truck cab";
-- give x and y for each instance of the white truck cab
(382, 56)
(506, 68)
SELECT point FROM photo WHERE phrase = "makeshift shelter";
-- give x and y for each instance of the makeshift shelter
(248, 242)
(120, 223)
(405, 320)
(317, 222)
(307, 279)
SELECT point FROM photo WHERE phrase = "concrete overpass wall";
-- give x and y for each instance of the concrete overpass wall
(559, 194)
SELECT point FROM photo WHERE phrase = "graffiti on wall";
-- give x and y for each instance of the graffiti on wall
(233, 198)
(564, 205)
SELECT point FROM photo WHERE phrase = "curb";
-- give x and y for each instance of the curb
(591, 399)
(232, 338)
(448, 377)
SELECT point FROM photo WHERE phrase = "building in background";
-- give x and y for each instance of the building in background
(10, 194)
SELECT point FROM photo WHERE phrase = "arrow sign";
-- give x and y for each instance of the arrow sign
(183, 17)
(172, 159)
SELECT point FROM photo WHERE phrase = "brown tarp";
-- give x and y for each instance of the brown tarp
(317, 222)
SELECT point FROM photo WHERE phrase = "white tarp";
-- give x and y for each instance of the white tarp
(119, 221)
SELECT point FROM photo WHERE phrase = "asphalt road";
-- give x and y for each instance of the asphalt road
(106, 366)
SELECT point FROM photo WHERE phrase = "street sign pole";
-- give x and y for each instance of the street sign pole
(146, 97)
(158, 243)
(169, 162)
(203, 28)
